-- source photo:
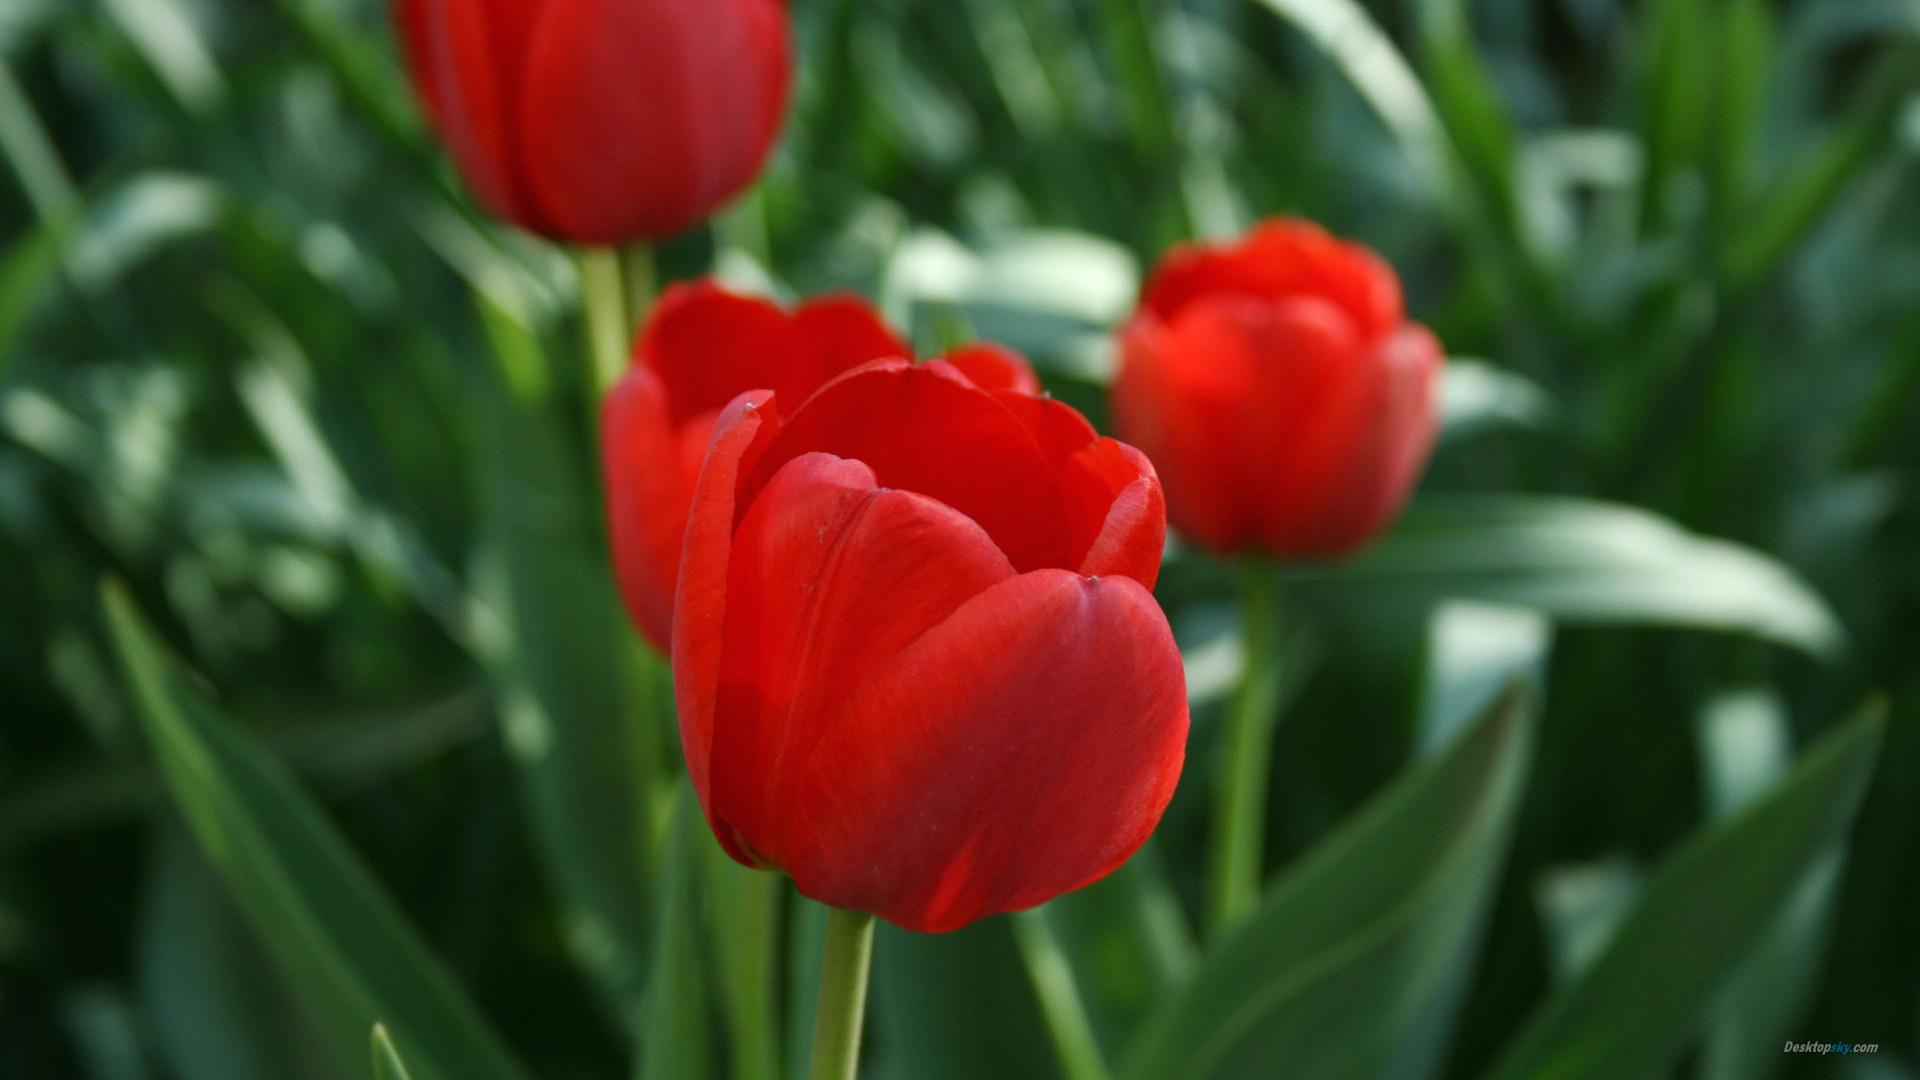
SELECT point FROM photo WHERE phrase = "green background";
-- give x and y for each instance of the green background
(360, 734)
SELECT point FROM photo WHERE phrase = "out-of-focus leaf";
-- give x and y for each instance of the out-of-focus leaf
(165, 34)
(1032, 290)
(1475, 396)
(387, 1063)
(566, 660)
(742, 924)
(925, 1007)
(1577, 560)
(1354, 964)
(1127, 941)
(1469, 105)
(677, 1032)
(1581, 904)
(1746, 747)
(344, 947)
(1797, 201)
(205, 990)
(1705, 909)
(1353, 41)
(1474, 651)
(1677, 98)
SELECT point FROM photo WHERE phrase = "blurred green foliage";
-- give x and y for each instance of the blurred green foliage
(366, 738)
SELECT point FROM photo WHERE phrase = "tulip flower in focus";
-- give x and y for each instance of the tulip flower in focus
(1280, 391)
(602, 121)
(700, 348)
(918, 662)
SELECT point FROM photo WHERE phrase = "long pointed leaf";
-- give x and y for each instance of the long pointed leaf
(1705, 910)
(343, 945)
(1356, 961)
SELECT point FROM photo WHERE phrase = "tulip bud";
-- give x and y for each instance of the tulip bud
(918, 662)
(602, 121)
(1282, 395)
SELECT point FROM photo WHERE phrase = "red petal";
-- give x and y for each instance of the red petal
(1280, 259)
(709, 346)
(830, 576)
(648, 489)
(700, 597)
(617, 150)
(839, 333)
(994, 367)
(1296, 459)
(1024, 747)
(468, 60)
(1120, 494)
(927, 429)
(1180, 398)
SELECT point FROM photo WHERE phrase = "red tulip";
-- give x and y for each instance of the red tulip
(918, 661)
(1280, 391)
(701, 348)
(602, 121)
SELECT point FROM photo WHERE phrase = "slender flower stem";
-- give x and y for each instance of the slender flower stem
(1060, 1004)
(756, 918)
(843, 995)
(603, 291)
(1241, 807)
(643, 280)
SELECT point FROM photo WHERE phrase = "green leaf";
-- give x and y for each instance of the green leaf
(743, 908)
(342, 944)
(580, 694)
(1794, 203)
(1126, 940)
(925, 1009)
(1704, 911)
(1578, 560)
(1474, 651)
(205, 992)
(1469, 105)
(677, 1033)
(1746, 748)
(1476, 396)
(387, 1064)
(1354, 964)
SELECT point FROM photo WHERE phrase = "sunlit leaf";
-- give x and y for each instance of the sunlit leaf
(1580, 561)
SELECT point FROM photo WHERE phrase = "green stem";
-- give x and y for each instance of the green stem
(603, 292)
(756, 921)
(643, 280)
(1060, 1004)
(1241, 796)
(843, 995)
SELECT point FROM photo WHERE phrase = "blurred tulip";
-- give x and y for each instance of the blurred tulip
(1281, 393)
(602, 121)
(702, 347)
(918, 662)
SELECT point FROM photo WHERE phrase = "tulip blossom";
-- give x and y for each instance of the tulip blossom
(918, 662)
(1280, 390)
(602, 121)
(701, 348)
